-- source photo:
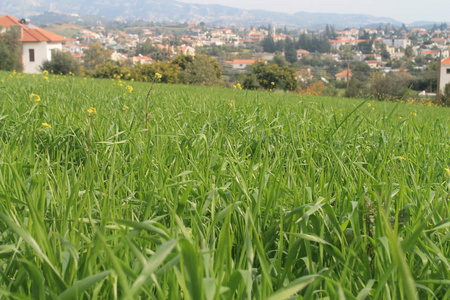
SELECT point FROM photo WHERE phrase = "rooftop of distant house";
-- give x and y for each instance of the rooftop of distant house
(241, 61)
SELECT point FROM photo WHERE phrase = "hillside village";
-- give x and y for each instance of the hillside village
(327, 55)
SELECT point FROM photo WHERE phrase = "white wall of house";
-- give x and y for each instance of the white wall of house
(238, 66)
(42, 51)
(399, 43)
(445, 77)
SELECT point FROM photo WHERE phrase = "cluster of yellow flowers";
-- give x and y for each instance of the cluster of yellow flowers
(158, 76)
(124, 108)
(129, 88)
(237, 86)
(35, 97)
(46, 125)
(92, 111)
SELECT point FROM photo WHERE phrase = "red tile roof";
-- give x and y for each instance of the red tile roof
(31, 33)
(344, 73)
(241, 61)
(425, 52)
(446, 61)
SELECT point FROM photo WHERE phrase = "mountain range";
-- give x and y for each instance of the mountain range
(180, 12)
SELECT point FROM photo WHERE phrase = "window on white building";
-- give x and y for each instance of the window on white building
(448, 70)
(31, 52)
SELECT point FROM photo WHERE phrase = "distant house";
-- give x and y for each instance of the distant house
(240, 64)
(344, 75)
(301, 53)
(187, 50)
(432, 53)
(444, 75)
(399, 43)
(141, 59)
(336, 44)
(374, 64)
(439, 41)
(78, 57)
(304, 75)
(37, 44)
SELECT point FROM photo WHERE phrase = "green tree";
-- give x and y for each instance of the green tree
(182, 61)
(409, 52)
(10, 50)
(330, 32)
(290, 52)
(268, 44)
(202, 70)
(62, 63)
(279, 60)
(271, 77)
(95, 55)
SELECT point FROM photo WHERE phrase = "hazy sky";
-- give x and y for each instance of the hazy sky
(402, 10)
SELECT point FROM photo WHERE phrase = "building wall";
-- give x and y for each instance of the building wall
(445, 77)
(42, 51)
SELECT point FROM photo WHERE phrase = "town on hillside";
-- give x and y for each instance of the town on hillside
(393, 61)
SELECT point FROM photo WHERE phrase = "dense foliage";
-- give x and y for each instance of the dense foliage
(10, 50)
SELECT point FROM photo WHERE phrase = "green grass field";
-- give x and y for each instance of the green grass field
(224, 194)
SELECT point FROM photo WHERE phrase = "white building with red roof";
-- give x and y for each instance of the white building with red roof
(240, 64)
(444, 78)
(344, 75)
(37, 44)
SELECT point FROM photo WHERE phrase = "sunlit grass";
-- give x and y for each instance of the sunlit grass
(224, 194)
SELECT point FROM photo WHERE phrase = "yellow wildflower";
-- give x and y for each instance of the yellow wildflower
(45, 72)
(46, 125)
(369, 105)
(129, 88)
(92, 111)
(124, 108)
(158, 76)
(402, 158)
(272, 83)
(448, 171)
(35, 97)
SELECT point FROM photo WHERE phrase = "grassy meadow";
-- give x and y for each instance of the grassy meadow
(221, 194)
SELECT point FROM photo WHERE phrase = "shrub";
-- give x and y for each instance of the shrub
(109, 70)
(61, 63)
